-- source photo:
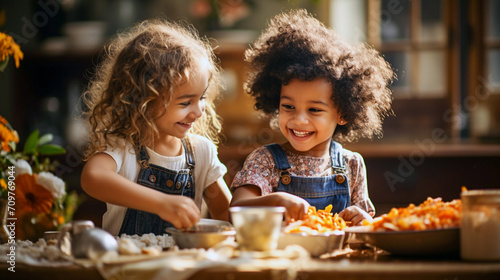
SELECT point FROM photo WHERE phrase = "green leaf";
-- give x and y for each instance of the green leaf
(46, 138)
(72, 201)
(31, 143)
(51, 149)
(3, 64)
(10, 159)
(12, 146)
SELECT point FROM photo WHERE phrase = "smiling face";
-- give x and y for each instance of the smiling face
(186, 106)
(308, 116)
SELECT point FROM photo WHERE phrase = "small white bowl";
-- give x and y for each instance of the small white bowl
(206, 234)
(51, 235)
(316, 245)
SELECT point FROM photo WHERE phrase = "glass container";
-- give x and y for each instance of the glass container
(480, 226)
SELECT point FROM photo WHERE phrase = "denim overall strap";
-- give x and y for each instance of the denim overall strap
(173, 182)
(336, 156)
(281, 161)
(318, 191)
(338, 165)
(189, 152)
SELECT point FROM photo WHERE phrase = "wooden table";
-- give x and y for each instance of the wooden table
(385, 267)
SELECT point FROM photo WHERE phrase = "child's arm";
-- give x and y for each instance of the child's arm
(355, 215)
(217, 196)
(249, 195)
(100, 180)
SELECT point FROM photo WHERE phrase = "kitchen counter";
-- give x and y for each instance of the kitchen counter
(374, 267)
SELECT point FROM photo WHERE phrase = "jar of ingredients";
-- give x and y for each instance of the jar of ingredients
(480, 225)
(257, 228)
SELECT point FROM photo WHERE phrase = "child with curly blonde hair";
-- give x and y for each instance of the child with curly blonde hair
(151, 115)
(316, 87)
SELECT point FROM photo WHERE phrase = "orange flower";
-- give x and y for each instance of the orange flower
(32, 197)
(7, 135)
(3, 185)
(9, 48)
(58, 218)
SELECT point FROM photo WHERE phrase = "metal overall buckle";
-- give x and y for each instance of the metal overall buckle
(339, 173)
(285, 177)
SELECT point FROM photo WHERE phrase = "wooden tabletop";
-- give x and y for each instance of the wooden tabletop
(384, 267)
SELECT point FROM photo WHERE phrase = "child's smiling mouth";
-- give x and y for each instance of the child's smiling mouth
(187, 125)
(301, 134)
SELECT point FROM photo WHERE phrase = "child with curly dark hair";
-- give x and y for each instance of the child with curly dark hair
(151, 154)
(317, 88)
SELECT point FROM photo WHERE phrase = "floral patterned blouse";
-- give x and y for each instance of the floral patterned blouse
(259, 169)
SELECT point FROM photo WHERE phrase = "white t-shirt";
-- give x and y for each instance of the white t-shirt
(208, 169)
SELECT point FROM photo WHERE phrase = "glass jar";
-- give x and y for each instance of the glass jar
(480, 225)
(257, 228)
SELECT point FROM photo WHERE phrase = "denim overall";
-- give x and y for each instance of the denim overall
(180, 182)
(318, 191)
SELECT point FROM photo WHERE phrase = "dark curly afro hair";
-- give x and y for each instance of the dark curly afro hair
(298, 46)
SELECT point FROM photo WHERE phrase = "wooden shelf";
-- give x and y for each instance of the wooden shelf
(429, 149)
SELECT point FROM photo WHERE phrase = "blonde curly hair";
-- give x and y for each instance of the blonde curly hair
(142, 67)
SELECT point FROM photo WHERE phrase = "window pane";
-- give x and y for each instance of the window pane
(493, 19)
(481, 120)
(431, 80)
(400, 62)
(348, 18)
(494, 67)
(395, 20)
(432, 28)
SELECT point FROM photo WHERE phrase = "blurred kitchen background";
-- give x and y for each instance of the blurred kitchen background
(446, 53)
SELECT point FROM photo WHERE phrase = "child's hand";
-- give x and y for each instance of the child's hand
(180, 211)
(355, 215)
(296, 207)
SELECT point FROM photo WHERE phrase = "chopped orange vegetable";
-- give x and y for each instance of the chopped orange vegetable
(320, 221)
(431, 214)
